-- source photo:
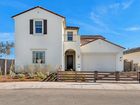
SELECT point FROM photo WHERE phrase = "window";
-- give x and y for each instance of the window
(38, 27)
(39, 57)
(70, 36)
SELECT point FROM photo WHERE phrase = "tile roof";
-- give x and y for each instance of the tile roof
(86, 39)
(133, 50)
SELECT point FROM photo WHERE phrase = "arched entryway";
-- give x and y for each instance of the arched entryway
(70, 60)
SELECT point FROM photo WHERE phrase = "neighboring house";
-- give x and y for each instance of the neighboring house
(132, 58)
(42, 37)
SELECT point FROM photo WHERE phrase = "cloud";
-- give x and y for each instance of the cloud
(121, 5)
(134, 28)
(102, 16)
(127, 4)
(6, 37)
(114, 7)
(14, 4)
(99, 23)
(96, 19)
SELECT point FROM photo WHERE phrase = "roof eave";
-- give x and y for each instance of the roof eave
(106, 41)
(40, 8)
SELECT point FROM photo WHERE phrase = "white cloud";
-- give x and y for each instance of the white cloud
(96, 19)
(99, 23)
(127, 4)
(116, 6)
(14, 4)
(121, 5)
(6, 37)
(102, 15)
(134, 28)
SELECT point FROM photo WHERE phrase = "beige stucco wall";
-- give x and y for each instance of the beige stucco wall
(133, 56)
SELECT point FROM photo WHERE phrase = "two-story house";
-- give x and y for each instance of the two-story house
(42, 37)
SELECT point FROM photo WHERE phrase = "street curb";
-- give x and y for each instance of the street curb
(68, 85)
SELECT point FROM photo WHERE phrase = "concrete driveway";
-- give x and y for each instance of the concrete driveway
(68, 97)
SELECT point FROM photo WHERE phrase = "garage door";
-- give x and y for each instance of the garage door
(98, 62)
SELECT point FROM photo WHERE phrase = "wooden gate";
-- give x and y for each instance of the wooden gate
(95, 76)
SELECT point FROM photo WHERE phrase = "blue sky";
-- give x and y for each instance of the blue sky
(117, 20)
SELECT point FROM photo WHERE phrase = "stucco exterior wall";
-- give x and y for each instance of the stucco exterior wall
(55, 44)
(103, 47)
(50, 43)
(74, 45)
(133, 56)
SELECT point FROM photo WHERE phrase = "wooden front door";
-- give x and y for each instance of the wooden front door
(69, 62)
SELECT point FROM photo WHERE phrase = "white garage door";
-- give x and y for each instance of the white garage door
(98, 62)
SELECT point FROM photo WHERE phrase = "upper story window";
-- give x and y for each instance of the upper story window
(39, 57)
(70, 36)
(38, 27)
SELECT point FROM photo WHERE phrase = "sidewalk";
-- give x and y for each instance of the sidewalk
(66, 85)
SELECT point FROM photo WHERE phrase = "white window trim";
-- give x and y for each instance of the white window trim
(39, 34)
(39, 51)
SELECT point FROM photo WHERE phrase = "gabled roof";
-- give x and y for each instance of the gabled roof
(40, 8)
(72, 28)
(133, 50)
(92, 38)
(85, 39)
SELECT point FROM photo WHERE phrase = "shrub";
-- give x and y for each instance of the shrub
(41, 75)
(21, 76)
(12, 74)
(31, 75)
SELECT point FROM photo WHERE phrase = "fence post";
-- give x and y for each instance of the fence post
(57, 76)
(95, 76)
(139, 76)
(117, 75)
(75, 76)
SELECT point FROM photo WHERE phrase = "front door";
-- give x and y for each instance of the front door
(69, 62)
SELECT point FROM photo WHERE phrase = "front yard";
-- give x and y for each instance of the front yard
(26, 77)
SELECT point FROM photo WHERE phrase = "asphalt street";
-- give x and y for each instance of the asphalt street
(68, 97)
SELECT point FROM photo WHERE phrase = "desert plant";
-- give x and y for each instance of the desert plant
(41, 75)
(12, 74)
(21, 76)
(31, 75)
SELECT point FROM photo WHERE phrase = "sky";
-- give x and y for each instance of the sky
(117, 20)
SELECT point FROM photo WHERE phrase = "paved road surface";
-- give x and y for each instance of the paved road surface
(68, 97)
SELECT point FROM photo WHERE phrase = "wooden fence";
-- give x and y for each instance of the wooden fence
(95, 76)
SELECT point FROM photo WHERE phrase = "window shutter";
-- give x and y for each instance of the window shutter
(45, 26)
(31, 26)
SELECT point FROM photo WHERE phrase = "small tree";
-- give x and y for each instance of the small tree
(5, 50)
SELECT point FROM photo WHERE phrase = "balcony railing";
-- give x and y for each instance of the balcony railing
(74, 38)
